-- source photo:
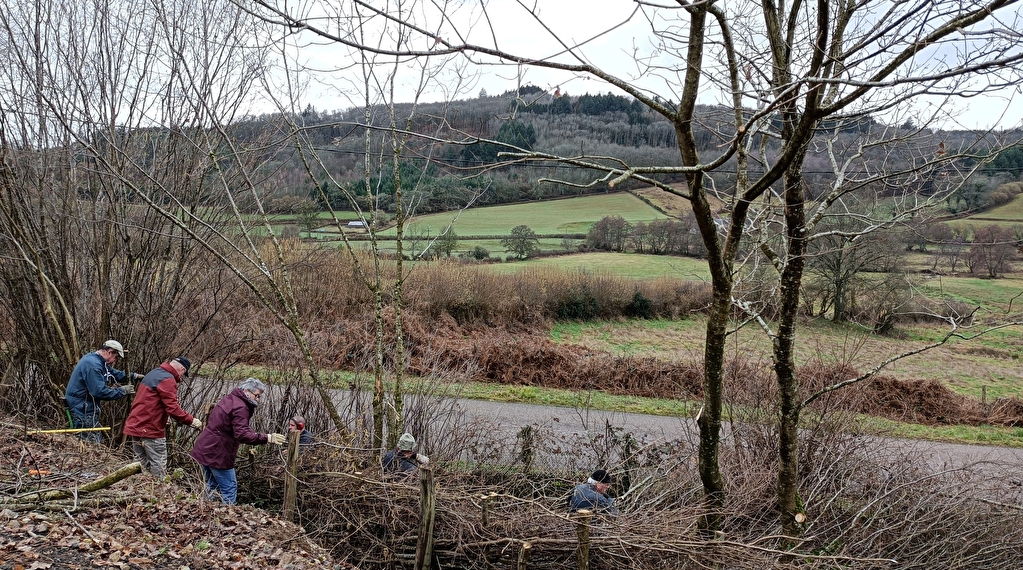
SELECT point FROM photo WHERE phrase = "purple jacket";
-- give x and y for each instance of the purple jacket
(227, 428)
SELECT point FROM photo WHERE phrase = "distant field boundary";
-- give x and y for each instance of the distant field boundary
(366, 237)
(650, 203)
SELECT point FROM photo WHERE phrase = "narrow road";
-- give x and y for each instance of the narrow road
(510, 418)
(651, 429)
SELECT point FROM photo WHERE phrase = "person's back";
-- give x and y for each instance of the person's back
(592, 495)
(398, 461)
(403, 460)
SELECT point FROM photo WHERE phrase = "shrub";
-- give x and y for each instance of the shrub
(479, 253)
(639, 307)
(577, 306)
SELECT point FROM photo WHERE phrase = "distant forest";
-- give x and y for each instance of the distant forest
(445, 176)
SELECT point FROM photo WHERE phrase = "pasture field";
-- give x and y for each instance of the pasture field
(567, 216)
(570, 215)
(989, 362)
(632, 265)
(498, 251)
(994, 297)
(1010, 213)
(324, 217)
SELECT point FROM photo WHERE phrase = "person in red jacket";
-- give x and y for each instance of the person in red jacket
(156, 399)
(228, 428)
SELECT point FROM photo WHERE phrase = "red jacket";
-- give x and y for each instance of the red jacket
(227, 428)
(156, 398)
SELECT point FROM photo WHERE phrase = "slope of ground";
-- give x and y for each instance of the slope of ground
(138, 522)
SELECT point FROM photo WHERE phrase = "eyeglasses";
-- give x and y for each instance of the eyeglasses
(256, 395)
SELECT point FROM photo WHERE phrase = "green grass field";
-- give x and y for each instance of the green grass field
(1011, 213)
(993, 296)
(568, 216)
(632, 265)
(571, 215)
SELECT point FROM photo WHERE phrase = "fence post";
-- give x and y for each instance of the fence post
(291, 477)
(582, 530)
(526, 455)
(427, 510)
(523, 556)
(487, 501)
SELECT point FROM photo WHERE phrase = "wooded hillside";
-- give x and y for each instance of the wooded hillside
(451, 175)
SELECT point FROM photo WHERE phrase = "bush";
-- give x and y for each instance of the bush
(577, 306)
(639, 307)
(479, 253)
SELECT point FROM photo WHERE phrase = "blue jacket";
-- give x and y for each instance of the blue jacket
(584, 496)
(88, 385)
(395, 461)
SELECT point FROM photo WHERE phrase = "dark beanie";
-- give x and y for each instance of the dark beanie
(601, 476)
(184, 362)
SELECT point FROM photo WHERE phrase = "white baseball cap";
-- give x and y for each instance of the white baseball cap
(116, 346)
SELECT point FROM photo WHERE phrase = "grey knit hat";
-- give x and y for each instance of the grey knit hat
(406, 442)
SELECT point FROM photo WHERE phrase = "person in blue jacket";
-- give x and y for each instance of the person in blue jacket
(305, 437)
(94, 380)
(592, 495)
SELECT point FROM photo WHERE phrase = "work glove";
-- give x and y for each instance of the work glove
(128, 389)
(422, 459)
(137, 376)
(197, 423)
(275, 438)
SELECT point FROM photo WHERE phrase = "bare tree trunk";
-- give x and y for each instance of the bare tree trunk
(784, 360)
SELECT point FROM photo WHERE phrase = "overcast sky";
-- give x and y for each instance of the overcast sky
(609, 33)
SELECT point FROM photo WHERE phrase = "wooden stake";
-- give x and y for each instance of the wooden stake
(427, 510)
(523, 556)
(291, 479)
(582, 531)
(488, 501)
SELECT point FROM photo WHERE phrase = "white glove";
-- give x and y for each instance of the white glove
(128, 389)
(275, 438)
(422, 459)
(137, 376)
(197, 423)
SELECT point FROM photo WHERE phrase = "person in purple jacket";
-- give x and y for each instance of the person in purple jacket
(226, 429)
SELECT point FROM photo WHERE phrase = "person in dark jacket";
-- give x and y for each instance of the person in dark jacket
(226, 429)
(156, 399)
(592, 495)
(305, 438)
(403, 460)
(94, 380)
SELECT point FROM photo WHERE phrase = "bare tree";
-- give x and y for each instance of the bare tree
(786, 74)
(992, 249)
(83, 262)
